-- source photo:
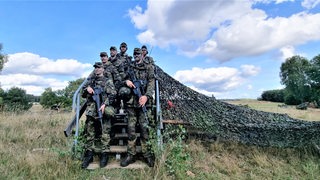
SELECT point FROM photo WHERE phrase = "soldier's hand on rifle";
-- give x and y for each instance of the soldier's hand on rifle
(90, 90)
(102, 108)
(143, 100)
(130, 84)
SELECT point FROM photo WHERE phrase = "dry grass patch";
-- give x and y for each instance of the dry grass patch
(311, 114)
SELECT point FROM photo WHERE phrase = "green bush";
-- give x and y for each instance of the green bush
(16, 100)
(290, 99)
(273, 95)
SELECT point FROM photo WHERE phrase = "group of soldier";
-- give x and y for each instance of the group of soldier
(114, 77)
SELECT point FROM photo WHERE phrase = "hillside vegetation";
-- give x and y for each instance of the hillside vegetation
(33, 146)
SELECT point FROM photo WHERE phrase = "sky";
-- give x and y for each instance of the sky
(226, 48)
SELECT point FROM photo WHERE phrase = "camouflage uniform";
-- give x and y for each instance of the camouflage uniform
(147, 58)
(110, 72)
(145, 73)
(121, 62)
(93, 135)
(117, 63)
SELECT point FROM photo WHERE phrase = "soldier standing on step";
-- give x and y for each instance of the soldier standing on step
(144, 72)
(97, 135)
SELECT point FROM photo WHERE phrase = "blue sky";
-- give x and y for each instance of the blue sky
(229, 49)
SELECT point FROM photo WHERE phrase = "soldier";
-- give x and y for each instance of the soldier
(97, 135)
(117, 63)
(124, 57)
(144, 72)
(104, 57)
(145, 53)
(110, 71)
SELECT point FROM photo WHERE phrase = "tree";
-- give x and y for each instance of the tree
(3, 58)
(16, 100)
(1, 98)
(48, 98)
(276, 95)
(60, 97)
(66, 94)
(314, 75)
(294, 76)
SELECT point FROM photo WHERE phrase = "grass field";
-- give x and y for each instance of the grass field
(33, 146)
(311, 114)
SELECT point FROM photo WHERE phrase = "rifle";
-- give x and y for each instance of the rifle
(73, 121)
(96, 97)
(137, 91)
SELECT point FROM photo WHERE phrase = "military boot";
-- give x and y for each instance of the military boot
(104, 159)
(128, 160)
(87, 159)
(150, 161)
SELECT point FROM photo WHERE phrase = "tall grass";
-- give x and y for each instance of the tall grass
(33, 146)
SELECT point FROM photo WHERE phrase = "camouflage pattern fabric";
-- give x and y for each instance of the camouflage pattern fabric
(98, 139)
(134, 115)
(125, 59)
(110, 72)
(95, 140)
(220, 120)
(148, 59)
(117, 63)
(144, 72)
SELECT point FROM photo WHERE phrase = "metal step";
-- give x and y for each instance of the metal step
(120, 124)
(123, 135)
(122, 149)
(116, 164)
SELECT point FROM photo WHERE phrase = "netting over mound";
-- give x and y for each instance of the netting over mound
(231, 122)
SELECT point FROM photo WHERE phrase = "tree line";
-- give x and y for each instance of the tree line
(17, 100)
(301, 78)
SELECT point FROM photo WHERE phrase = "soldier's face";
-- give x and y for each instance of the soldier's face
(137, 56)
(104, 59)
(98, 70)
(113, 53)
(123, 49)
(144, 51)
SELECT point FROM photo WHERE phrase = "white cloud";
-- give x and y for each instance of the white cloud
(309, 4)
(34, 73)
(249, 70)
(33, 84)
(30, 63)
(286, 52)
(220, 29)
(281, 1)
(219, 79)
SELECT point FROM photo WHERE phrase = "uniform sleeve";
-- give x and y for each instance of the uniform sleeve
(151, 81)
(87, 84)
(110, 92)
(116, 77)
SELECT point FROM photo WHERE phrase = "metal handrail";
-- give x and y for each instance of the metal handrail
(76, 108)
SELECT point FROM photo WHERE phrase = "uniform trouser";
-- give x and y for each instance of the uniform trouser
(136, 115)
(96, 140)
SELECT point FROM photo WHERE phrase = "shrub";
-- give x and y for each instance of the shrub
(273, 95)
(16, 100)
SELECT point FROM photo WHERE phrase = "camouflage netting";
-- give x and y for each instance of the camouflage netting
(230, 122)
